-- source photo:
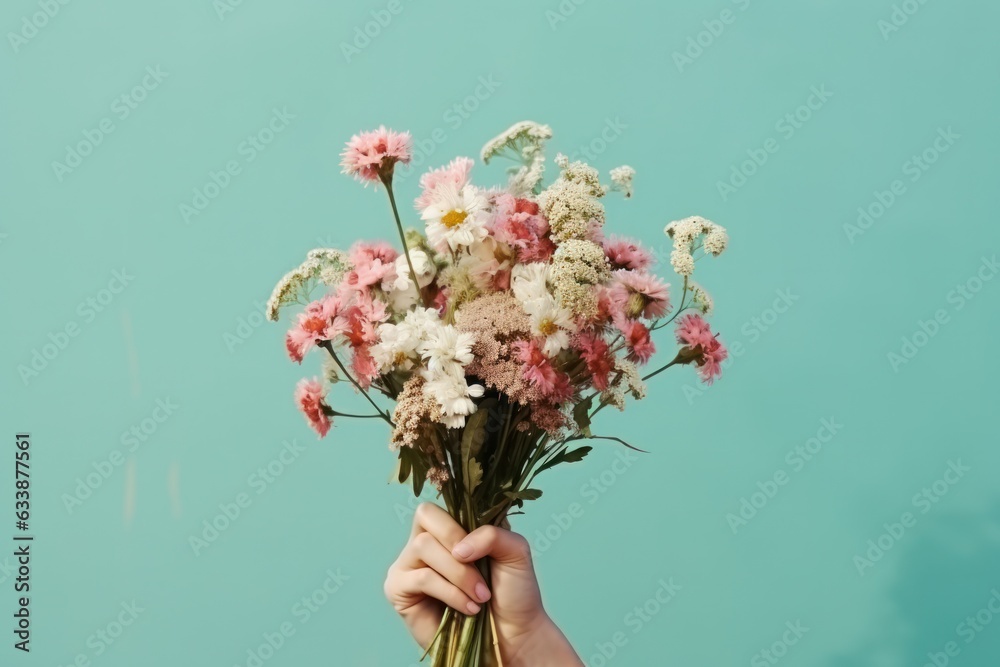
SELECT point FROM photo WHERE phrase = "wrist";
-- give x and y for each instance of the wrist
(544, 646)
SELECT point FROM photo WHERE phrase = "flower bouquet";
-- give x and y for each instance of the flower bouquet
(498, 331)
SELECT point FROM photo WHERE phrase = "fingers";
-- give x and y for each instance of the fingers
(434, 520)
(425, 581)
(501, 545)
(425, 551)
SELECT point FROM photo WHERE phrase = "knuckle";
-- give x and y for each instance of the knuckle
(422, 513)
(421, 541)
(490, 534)
(422, 577)
(521, 546)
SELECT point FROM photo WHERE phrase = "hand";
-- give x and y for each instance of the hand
(436, 568)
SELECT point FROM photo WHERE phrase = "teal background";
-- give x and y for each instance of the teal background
(187, 329)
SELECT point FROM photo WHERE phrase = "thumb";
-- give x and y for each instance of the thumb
(501, 545)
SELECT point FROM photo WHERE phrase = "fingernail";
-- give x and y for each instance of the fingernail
(462, 550)
(473, 608)
(482, 592)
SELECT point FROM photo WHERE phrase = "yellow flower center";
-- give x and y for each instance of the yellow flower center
(547, 327)
(454, 218)
(635, 305)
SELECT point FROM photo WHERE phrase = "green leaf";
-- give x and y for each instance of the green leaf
(565, 456)
(581, 415)
(419, 464)
(473, 438)
(405, 464)
(524, 494)
(576, 455)
(473, 475)
(419, 477)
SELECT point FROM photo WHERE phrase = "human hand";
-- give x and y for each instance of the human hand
(437, 568)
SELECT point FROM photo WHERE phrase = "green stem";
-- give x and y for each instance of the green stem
(329, 348)
(387, 181)
(348, 414)
(660, 369)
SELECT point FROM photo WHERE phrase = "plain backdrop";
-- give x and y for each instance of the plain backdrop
(850, 149)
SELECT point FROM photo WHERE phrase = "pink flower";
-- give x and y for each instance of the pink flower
(637, 340)
(539, 371)
(627, 254)
(693, 331)
(311, 399)
(637, 293)
(364, 252)
(456, 173)
(372, 156)
(364, 366)
(596, 352)
(322, 320)
(374, 264)
(361, 319)
(518, 223)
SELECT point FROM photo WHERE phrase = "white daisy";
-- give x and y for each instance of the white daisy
(529, 282)
(551, 322)
(453, 395)
(456, 217)
(400, 344)
(446, 350)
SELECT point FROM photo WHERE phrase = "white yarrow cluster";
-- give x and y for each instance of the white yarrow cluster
(441, 351)
(629, 382)
(700, 298)
(571, 204)
(327, 265)
(525, 142)
(621, 179)
(685, 233)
